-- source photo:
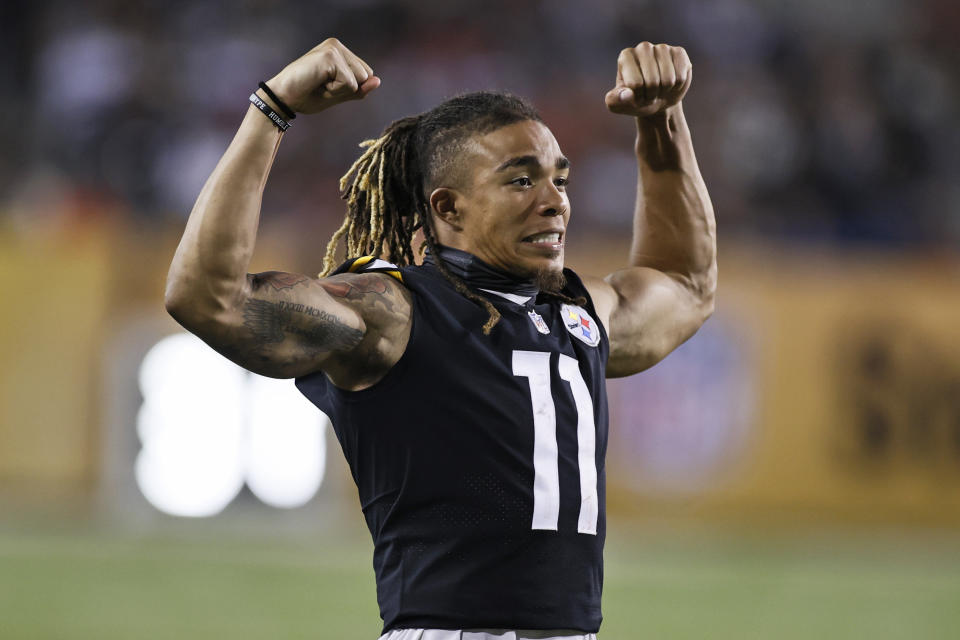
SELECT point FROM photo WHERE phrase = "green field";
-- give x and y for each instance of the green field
(77, 585)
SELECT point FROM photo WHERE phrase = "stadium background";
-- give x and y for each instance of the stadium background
(792, 471)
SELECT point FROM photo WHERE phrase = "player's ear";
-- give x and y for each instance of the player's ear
(443, 204)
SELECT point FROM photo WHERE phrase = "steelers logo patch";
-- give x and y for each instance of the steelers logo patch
(580, 324)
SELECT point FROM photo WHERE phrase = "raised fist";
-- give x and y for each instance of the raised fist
(326, 75)
(650, 78)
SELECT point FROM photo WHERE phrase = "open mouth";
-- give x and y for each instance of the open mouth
(547, 238)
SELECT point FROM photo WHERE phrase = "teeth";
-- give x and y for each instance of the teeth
(545, 237)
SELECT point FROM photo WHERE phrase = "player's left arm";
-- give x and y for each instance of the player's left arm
(667, 292)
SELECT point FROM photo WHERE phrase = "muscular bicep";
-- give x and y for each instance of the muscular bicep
(647, 313)
(283, 324)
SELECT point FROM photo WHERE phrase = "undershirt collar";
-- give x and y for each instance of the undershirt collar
(479, 275)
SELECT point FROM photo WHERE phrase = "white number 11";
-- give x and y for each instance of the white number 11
(535, 366)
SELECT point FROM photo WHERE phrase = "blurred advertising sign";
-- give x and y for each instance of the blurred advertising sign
(825, 388)
(686, 421)
(899, 395)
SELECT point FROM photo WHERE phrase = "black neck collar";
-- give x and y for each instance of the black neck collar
(477, 274)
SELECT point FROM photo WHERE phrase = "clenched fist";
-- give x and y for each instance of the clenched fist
(650, 78)
(325, 76)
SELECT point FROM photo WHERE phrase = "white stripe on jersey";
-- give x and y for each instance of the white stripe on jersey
(379, 264)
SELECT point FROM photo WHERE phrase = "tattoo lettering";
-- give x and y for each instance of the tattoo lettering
(273, 322)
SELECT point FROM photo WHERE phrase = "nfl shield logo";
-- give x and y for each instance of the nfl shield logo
(580, 324)
(538, 322)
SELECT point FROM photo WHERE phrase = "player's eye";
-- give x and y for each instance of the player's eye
(522, 181)
(562, 182)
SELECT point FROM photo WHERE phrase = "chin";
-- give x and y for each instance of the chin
(550, 278)
(548, 274)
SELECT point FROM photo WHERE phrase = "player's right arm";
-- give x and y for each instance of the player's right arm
(281, 324)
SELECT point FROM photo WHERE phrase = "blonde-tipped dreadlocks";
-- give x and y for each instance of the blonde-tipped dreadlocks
(360, 235)
(385, 188)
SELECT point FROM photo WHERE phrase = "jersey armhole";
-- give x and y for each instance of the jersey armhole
(372, 264)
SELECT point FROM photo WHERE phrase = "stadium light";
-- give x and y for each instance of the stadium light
(206, 426)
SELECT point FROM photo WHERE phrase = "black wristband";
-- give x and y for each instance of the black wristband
(287, 111)
(275, 118)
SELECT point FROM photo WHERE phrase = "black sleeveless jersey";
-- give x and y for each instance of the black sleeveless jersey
(479, 461)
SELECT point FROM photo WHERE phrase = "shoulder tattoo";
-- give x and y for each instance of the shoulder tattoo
(375, 291)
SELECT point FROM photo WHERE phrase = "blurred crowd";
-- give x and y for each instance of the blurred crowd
(814, 121)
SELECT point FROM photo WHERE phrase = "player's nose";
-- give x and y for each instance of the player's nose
(553, 202)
